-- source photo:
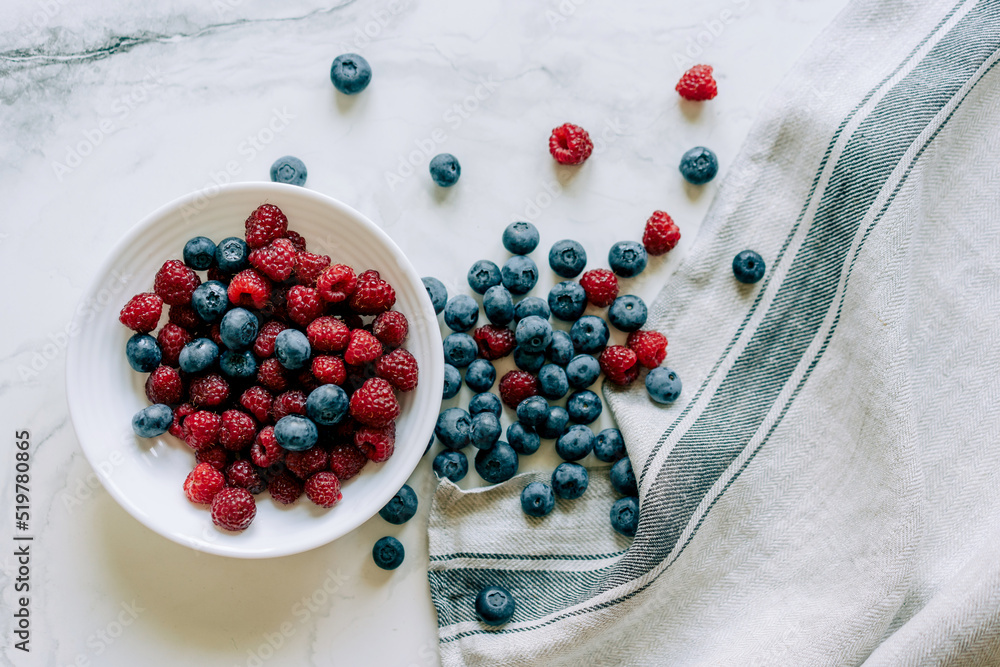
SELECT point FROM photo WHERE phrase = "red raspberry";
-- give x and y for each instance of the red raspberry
(265, 450)
(272, 375)
(264, 225)
(263, 347)
(697, 84)
(373, 295)
(307, 381)
(201, 429)
(172, 340)
(164, 386)
(142, 312)
(337, 283)
(323, 488)
(180, 412)
(620, 365)
(276, 308)
(661, 234)
(175, 282)
(215, 456)
(276, 261)
(399, 368)
(233, 509)
(377, 444)
(289, 403)
(391, 328)
(238, 430)
(285, 488)
(346, 461)
(570, 144)
(249, 289)
(308, 267)
(243, 475)
(515, 386)
(363, 348)
(495, 342)
(203, 483)
(650, 347)
(304, 305)
(208, 390)
(305, 464)
(184, 317)
(374, 404)
(601, 287)
(297, 240)
(328, 369)
(257, 402)
(215, 333)
(328, 334)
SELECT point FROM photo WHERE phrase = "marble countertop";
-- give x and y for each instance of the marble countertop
(112, 108)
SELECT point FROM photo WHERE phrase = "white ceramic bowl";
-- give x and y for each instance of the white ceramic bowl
(145, 476)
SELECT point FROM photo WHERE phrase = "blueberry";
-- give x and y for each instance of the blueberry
(582, 371)
(533, 411)
(350, 73)
(609, 446)
(452, 381)
(555, 425)
(453, 465)
(498, 305)
(143, 353)
(388, 553)
(627, 258)
(483, 275)
(453, 428)
(480, 375)
(486, 402)
(198, 355)
(401, 507)
(699, 165)
(537, 499)
(497, 464)
(552, 382)
(289, 169)
(210, 301)
(239, 365)
(437, 293)
(560, 350)
(199, 253)
(445, 169)
(623, 478)
(575, 443)
(584, 407)
(429, 444)
(292, 349)
(663, 385)
(533, 334)
(590, 334)
(523, 439)
(570, 480)
(295, 433)
(327, 404)
(625, 515)
(485, 430)
(152, 420)
(519, 274)
(494, 605)
(238, 329)
(528, 361)
(627, 313)
(567, 258)
(461, 313)
(520, 238)
(532, 305)
(748, 267)
(567, 301)
(231, 255)
(460, 349)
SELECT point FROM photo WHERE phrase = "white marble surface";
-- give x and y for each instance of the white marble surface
(112, 108)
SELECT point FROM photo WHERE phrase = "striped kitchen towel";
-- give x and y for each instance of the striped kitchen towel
(825, 491)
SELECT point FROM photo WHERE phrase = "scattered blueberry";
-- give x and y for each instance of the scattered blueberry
(292, 349)
(199, 253)
(570, 480)
(627, 258)
(152, 420)
(445, 169)
(231, 255)
(623, 478)
(453, 428)
(483, 275)
(567, 300)
(238, 329)
(461, 313)
(519, 274)
(561, 349)
(520, 238)
(289, 169)
(350, 73)
(239, 365)
(627, 313)
(555, 425)
(295, 433)
(523, 439)
(198, 355)
(532, 305)
(625, 515)
(590, 334)
(210, 300)
(401, 507)
(494, 605)
(460, 349)
(143, 353)
(537, 499)
(584, 407)
(480, 375)
(582, 371)
(663, 385)
(533, 411)
(552, 382)
(528, 361)
(498, 305)
(388, 553)
(485, 430)
(567, 258)
(452, 381)
(497, 464)
(486, 402)
(533, 334)
(699, 165)
(437, 293)
(453, 465)
(609, 446)
(748, 267)
(575, 443)
(327, 404)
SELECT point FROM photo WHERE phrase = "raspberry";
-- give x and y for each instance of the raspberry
(601, 287)
(297, 240)
(391, 328)
(305, 464)
(203, 483)
(620, 365)
(495, 342)
(304, 305)
(201, 429)
(164, 386)
(328, 369)
(208, 390)
(328, 334)
(374, 404)
(285, 488)
(184, 316)
(570, 144)
(308, 381)
(237, 431)
(289, 403)
(276, 261)
(215, 456)
(265, 450)
(697, 84)
(323, 488)
(257, 402)
(650, 347)
(399, 368)
(263, 347)
(172, 340)
(276, 308)
(272, 375)
(308, 267)
(515, 386)
(142, 312)
(233, 509)
(363, 348)
(243, 475)
(346, 461)
(215, 333)
(249, 289)
(373, 295)
(175, 283)
(377, 444)
(337, 283)
(661, 234)
(264, 225)
(180, 412)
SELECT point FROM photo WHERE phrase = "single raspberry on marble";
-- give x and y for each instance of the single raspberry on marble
(697, 84)
(570, 144)
(661, 234)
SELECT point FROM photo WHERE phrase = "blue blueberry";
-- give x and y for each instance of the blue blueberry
(590, 334)
(460, 349)
(609, 446)
(567, 258)
(238, 329)
(520, 238)
(327, 404)
(152, 420)
(561, 349)
(292, 349)
(198, 355)
(570, 480)
(210, 301)
(567, 300)
(533, 334)
(623, 478)
(231, 255)
(498, 305)
(532, 305)
(143, 353)
(582, 371)
(519, 274)
(388, 553)
(429, 444)
(461, 313)
(295, 433)
(480, 375)
(497, 464)
(238, 365)
(452, 465)
(537, 499)
(625, 515)
(437, 293)
(401, 507)
(485, 430)
(584, 407)
(486, 402)
(523, 439)
(575, 443)
(289, 169)
(453, 428)
(552, 382)
(452, 381)
(555, 425)
(663, 385)
(483, 275)
(199, 253)
(350, 73)
(627, 313)
(699, 165)
(748, 267)
(533, 411)
(494, 605)
(528, 361)
(627, 258)
(445, 169)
